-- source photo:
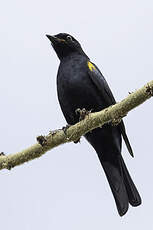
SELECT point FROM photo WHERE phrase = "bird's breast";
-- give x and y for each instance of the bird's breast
(72, 75)
(75, 89)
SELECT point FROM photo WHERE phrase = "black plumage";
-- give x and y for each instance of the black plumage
(80, 84)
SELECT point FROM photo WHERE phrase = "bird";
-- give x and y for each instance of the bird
(81, 85)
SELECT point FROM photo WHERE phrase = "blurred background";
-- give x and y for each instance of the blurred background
(66, 188)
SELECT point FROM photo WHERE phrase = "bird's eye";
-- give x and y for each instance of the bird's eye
(69, 38)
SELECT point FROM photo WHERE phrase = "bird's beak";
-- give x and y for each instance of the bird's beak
(54, 39)
(51, 38)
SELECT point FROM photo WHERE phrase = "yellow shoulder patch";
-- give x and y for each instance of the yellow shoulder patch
(91, 66)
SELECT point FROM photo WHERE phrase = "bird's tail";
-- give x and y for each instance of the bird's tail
(122, 186)
(133, 194)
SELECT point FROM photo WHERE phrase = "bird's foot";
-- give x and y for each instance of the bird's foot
(83, 113)
(65, 128)
(77, 141)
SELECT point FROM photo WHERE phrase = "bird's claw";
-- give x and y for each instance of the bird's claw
(77, 141)
(65, 128)
(83, 113)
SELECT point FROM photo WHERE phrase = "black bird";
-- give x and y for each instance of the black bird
(80, 84)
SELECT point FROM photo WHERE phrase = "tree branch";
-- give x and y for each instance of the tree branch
(73, 133)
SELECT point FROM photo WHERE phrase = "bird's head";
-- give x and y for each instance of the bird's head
(64, 45)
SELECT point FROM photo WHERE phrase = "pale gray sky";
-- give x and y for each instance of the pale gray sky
(67, 189)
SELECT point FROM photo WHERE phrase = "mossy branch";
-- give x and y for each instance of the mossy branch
(73, 133)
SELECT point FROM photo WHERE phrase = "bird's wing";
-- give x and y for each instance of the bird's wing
(103, 88)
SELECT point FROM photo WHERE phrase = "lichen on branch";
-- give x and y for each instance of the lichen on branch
(73, 133)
